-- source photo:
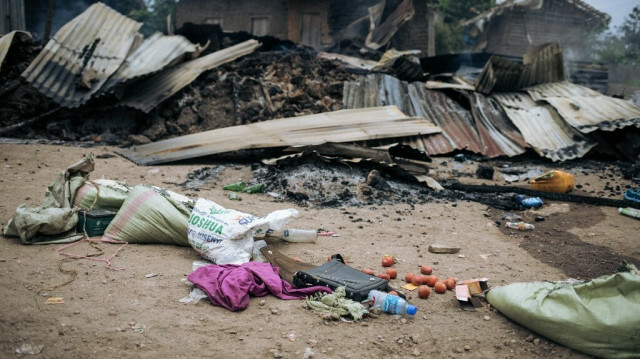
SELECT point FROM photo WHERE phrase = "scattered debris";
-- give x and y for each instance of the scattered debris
(54, 300)
(439, 248)
(30, 349)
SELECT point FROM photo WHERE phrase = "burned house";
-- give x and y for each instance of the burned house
(32, 15)
(402, 24)
(301, 21)
(515, 26)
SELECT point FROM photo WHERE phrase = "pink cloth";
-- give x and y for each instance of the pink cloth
(230, 285)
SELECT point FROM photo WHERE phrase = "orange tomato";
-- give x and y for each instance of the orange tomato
(387, 261)
(369, 271)
(417, 280)
(450, 283)
(440, 287)
(424, 292)
(384, 276)
(431, 280)
(392, 273)
(426, 270)
(408, 277)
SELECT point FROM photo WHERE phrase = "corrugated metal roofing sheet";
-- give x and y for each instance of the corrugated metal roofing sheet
(148, 93)
(82, 55)
(499, 136)
(381, 32)
(6, 41)
(585, 109)
(485, 130)
(154, 54)
(542, 64)
(543, 128)
(338, 126)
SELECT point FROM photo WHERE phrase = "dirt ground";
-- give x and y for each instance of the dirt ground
(127, 314)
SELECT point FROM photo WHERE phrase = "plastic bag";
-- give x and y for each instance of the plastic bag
(225, 236)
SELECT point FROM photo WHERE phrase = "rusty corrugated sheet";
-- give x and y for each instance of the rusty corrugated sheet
(585, 109)
(148, 93)
(499, 136)
(456, 122)
(499, 75)
(542, 64)
(484, 130)
(382, 32)
(379, 90)
(82, 55)
(154, 54)
(543, 128)
(339, 126)
(6, 41)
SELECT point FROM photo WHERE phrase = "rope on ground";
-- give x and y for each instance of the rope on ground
(93, 242)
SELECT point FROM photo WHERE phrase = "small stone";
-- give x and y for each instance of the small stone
(308, 353)
(403, 320)
(312, 342)
(529, 338)
(104, 281)
(400, 341)
(486, 317)
(274, 311)
(536, 341)
(467, 348)
(459, 350)
(416, 353)
(262, 302)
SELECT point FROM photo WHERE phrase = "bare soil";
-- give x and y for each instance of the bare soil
(125, 314)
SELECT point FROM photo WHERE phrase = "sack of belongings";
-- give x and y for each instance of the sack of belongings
(151, 215)
(225, 236)
(598, 317)
(101, 194)
(54, 221)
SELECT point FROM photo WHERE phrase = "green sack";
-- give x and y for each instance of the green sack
(110, 195)
(600, 317)
(53, 221)
(151, 215)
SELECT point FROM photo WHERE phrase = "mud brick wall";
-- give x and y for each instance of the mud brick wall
(521, 29)
(414, 35)
(235, 15)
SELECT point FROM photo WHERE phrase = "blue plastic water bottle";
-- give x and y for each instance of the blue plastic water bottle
(528, 202)
(391, 304)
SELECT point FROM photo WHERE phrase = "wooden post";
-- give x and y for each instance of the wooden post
(47, 24)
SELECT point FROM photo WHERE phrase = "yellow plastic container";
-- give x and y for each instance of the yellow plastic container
(553, 181)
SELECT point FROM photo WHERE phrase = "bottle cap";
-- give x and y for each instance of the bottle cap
(411, 309)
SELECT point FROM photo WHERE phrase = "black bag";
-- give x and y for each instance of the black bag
(335, 273)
